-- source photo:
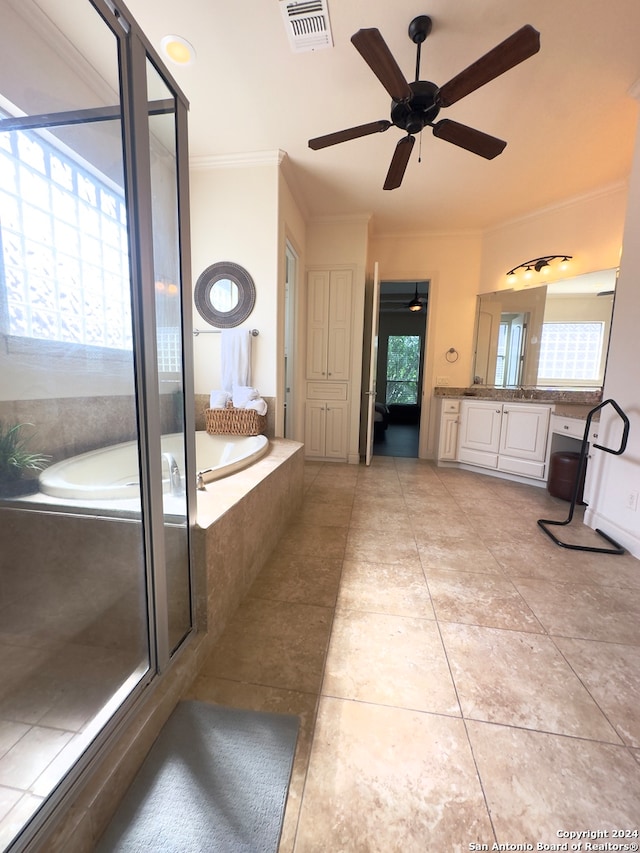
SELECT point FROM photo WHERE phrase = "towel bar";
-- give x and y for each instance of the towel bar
(253, 332)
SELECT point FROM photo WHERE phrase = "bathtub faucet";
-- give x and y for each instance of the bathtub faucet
(175, 480)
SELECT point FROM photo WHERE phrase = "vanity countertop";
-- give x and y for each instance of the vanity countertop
(576, 404)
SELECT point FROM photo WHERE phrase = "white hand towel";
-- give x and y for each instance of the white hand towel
(259, 405)
(219, 399)
(235, 358)
(242, 394)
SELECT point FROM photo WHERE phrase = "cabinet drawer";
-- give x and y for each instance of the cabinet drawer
(326, 390)
(567, 426)
(451, 405)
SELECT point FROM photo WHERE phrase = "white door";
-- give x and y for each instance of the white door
(373, 364)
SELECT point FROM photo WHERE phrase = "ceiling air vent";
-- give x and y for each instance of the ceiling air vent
(307, 24)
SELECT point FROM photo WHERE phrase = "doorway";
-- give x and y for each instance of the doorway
(399, 374)
(291, 271)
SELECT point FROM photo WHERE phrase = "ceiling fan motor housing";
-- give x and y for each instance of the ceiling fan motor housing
(420, 110)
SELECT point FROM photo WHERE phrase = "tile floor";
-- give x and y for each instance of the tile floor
(461, 681)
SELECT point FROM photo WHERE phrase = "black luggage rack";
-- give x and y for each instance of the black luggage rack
(544, 522)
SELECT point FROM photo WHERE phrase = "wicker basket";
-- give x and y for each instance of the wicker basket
(232, 421)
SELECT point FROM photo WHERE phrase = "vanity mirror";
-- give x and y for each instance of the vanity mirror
(225, 295)
(553, 336)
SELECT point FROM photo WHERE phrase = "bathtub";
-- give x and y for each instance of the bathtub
(111, 473)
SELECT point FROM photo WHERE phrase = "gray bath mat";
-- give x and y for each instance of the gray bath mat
(216, 779)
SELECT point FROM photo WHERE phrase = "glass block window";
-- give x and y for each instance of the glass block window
(64, 251)
(571, 351)
(403, 369)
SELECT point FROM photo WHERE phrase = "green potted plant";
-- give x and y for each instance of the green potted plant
(17, 464)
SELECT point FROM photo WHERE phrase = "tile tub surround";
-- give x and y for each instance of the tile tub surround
(239, 520)
(459, 678)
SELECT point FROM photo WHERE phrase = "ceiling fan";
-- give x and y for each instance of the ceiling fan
(416, 105)
(417, 303)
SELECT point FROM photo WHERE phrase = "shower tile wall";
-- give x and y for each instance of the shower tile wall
(65, 426)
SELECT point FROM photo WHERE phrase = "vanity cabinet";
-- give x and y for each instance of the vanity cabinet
(328, 363)
(510, 437)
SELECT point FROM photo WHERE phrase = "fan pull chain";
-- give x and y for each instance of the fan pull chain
(420, 149)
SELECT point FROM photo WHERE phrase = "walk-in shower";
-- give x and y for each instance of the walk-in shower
(94, 310)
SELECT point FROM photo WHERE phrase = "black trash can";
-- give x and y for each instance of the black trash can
(563, 471)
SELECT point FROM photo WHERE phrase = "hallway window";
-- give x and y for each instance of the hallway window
(403, 369)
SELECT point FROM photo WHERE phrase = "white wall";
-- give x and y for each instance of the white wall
(588, 228)
(234, 217)
(451, 264)
(614, 477)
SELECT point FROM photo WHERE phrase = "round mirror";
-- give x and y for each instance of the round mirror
(225, 295)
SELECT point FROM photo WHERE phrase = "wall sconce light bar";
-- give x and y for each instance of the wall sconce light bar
(539, 265)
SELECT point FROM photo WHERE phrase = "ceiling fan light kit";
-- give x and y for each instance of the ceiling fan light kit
(416, 105)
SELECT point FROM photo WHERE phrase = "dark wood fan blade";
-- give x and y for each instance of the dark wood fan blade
(399, 163)
(349, 133)
(513, 50)
(373, 49)
(467, 137)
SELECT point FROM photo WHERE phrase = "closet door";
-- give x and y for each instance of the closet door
(317, 324)
(339, 326)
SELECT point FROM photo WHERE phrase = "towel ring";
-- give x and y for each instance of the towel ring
(452, 355)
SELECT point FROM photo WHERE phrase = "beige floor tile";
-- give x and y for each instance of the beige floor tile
(449, 552)
(314, 541)
(537, 784)
(380, 546)
(390, 660)
(323, 513)
(479, 599)
(588, 612)
(381, 518)
(382, 588)
(17, 817)
(275, 643)
(392, 780)
(312, 580)
(520, 679)
(611, 673)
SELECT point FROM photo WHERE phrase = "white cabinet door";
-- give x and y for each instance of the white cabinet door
(336, 429)
(329, 296)
(479, 438)
(339, 326)
(525, 430)
(314, 428)
(448, 443)
(317, 324)
(326, 429)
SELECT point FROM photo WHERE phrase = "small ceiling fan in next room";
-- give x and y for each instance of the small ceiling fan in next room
(416, 105)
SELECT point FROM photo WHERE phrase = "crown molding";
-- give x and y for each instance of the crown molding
(238, 161)
(592, 195)
(363, 218)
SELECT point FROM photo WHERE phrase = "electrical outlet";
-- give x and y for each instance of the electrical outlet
(442, 380)
(632, 501)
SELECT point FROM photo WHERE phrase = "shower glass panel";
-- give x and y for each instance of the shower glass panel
(74, 610)
(168, 291)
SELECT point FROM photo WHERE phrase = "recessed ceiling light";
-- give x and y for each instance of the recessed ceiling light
(178, 50)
